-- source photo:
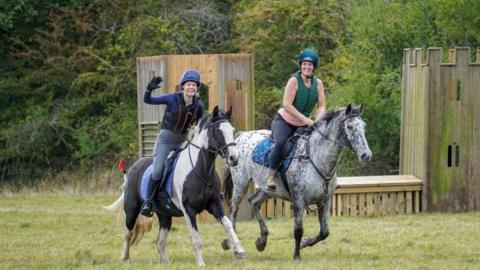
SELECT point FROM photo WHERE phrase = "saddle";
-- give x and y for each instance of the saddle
(163, 194)
(261, 152)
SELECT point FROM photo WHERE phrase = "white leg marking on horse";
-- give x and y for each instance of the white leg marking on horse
(162, 245)
(232, 236)
(197, 241)
(126, 244)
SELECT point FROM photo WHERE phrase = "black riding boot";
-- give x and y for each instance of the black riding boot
(167, 206)
(147, 208)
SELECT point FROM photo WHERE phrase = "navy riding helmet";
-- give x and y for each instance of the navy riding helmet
(190, 76)
(308, 55)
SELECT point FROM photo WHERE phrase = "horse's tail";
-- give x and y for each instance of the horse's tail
(227, 184)
(142, 224)
(118, 204)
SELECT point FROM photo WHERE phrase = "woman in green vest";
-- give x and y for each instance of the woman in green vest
(302, 92)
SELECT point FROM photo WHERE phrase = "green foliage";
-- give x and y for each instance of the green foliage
(276, 31)
(267, 102)
(370, 58)
(67, 75)
(68, 86)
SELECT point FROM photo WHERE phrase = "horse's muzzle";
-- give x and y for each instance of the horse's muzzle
(367, 156)
(232, 160)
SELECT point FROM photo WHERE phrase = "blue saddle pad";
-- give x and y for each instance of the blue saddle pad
(168, 181)
(261, 154)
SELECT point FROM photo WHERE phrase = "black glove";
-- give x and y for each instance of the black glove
(154, 83)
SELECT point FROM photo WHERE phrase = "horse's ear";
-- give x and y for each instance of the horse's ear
(215, 112)
(360, 108)
(229, 113)
(348, 110)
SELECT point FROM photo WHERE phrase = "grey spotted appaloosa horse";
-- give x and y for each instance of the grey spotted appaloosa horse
(311, 177)
(196, 187)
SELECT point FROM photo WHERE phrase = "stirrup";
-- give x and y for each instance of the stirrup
(147, 209)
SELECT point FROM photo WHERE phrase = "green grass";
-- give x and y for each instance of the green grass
(59, 231)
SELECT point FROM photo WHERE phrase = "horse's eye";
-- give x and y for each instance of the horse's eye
(350, 127)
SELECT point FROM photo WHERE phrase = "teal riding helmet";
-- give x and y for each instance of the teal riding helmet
(308, 55)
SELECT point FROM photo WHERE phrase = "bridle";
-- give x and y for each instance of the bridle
(216, 149)
(342, 131)
(306, 156)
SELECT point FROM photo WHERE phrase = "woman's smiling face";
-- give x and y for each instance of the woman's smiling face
(190, 88)
(307, 68)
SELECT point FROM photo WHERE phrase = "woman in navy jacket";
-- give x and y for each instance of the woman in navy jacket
(184, 108)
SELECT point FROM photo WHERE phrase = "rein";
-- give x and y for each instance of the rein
(306, 156)
(326, 182)
(217, 151)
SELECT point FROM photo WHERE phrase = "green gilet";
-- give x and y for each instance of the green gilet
(306, 98)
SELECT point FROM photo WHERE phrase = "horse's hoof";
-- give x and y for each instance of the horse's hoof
(225, 244)
(305, 243)
(125, 260)
(296, 257)
(240, 255)
(260, 243)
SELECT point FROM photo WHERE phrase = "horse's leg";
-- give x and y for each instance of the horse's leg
(322, 213)
(165, 224)
(216, 209)
(237, 196)
(298, 205)
(256, 200)
(131, 214)
(191, 220)
(126, 244)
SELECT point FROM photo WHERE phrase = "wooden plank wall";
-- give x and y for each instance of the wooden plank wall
(450, 137)
(149, 115)
(354, 196)
(148, 134)
(363, 196)
(414, 118)
(377, 195)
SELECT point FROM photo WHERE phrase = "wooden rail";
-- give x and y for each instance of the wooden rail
(377, 195)
(354, 196)
(364, 195)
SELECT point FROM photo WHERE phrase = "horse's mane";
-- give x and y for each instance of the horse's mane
(195, 129)
(330, 114)
(202, 122)
(222, 115)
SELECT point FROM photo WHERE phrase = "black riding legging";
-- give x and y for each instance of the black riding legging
(281, 131)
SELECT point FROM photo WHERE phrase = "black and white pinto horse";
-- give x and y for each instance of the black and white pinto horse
(196, 187)
(311, 177)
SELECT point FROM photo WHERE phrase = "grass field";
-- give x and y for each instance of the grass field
(60, 231)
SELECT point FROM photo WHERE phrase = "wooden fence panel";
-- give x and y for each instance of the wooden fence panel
(440, 128)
